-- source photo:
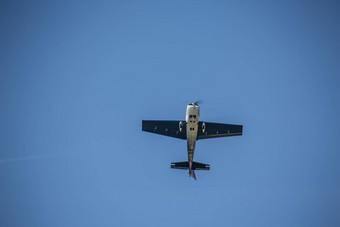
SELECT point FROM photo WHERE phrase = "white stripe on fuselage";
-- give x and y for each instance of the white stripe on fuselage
(192, 118)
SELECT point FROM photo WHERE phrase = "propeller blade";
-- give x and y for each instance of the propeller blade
(198, 102)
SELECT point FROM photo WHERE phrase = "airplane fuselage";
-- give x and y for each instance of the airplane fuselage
(192, 119)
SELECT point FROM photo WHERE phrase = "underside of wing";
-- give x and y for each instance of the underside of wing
(176, 129)
(208, 130)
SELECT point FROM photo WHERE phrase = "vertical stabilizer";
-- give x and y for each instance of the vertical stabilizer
(192, 174)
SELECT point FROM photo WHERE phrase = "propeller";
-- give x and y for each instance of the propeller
(197, 102)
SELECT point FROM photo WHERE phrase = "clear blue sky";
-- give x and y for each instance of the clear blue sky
(78, 77)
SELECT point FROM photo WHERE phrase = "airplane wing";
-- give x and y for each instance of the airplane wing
(166, 128)
(208, 130)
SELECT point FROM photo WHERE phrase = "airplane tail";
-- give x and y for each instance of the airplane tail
(185, 165)
(195, 166)
(192, 174)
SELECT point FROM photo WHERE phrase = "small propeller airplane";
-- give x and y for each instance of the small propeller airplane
(191, 130)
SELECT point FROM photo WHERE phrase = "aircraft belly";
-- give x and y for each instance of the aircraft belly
(192, 119)
(191, 141)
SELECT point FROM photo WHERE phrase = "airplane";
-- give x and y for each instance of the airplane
(191, 130)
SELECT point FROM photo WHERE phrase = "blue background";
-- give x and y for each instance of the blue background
(77, 78)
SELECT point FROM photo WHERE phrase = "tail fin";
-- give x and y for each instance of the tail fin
(192, 174)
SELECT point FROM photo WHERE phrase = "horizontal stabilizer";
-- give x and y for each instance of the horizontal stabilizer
(185, 165)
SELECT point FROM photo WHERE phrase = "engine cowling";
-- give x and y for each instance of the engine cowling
(203, 127)
(180, 126)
